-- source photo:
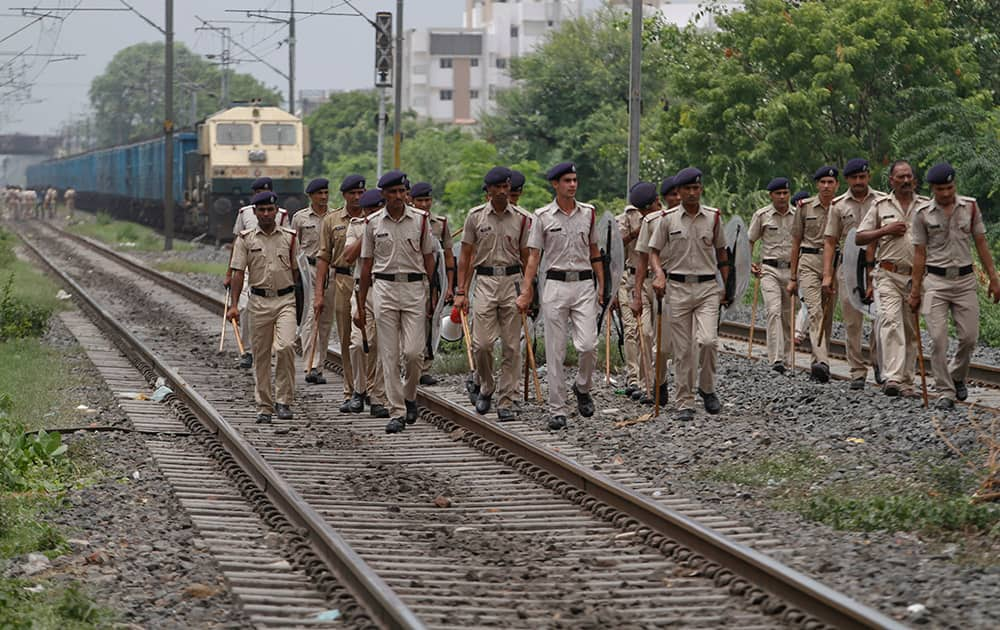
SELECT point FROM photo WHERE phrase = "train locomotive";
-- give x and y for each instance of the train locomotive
(213, 168)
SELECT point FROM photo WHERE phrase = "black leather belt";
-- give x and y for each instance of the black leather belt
(344, 271)
(400, 277)
(680, 277)
(949, 272)
(270, 293)
(894, 268)
(311, 260)
(485, 270)
(810, 250)
(569, 276)
(777, 264)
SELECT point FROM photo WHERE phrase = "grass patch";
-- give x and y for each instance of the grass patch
(909, 511)
(187, 266)
(125, 234)
(789, 469)
(63, 607)
(31, 373)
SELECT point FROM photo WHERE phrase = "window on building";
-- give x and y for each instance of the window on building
(446, 95)
(445, 62)
(474, 62)
(513, 31)
(501, 63)
(474, 95)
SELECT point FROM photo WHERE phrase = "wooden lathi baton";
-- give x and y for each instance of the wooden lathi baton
(659, 354)
(239, 338)
(531, 359)
(753, 314)
(468, 339)
(225, 311)
(920, 355)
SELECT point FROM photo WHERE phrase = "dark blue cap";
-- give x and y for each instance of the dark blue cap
(264, 197)
(262, 183)
(318, 184)
(393, 178)
(559, 170)
(642, 195)
(855, 166)
(825, 171)
(421, 189)
(685, 176)
(778, 183)
(352, 182)
(497, 175)
(941, 173)
(799, 196)
(667, 185)
(516, 180)
(371, 199)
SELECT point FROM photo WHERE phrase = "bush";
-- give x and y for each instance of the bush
(23, 458)
(18, 318)
(103, 218)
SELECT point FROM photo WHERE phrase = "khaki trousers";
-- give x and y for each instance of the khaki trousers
(309, 324)
(854, 326)
(778, 304)
(897, 334)
(246, 326)
(638, 356)
(400, 317)
(958, 296)
(565, 306)
(366, 367)
(811, 283)
(496, 315)
(273, 327)
(694, 331)
(342, 315)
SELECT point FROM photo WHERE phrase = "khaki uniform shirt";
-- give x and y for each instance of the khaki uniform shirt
(774, 230)
(629, 223)
(885, 211)
(398, 246)
(333, 237)
(947, 240)
(269, 258)
(688, 242)
(355, 232)
(565, 238)
(439, 228)
(307, 224)
(846, 212)
(810, 222)
(648, 227)
(247, 220)
(498, 237)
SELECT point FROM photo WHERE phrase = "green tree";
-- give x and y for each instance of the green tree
(975, 22)
(127, 98)
(344, 135)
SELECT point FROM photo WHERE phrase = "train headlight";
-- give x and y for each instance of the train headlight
(257, 155)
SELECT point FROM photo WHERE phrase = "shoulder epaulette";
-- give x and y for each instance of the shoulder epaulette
(586, 205)
(286, 230)
(246, 231)
(840, 197)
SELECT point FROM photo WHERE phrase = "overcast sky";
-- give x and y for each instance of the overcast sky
(332, 52)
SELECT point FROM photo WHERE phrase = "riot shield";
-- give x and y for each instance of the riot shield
(738, 248)
(306, 272)
(612, 251)
(853, 277)
(438, 283)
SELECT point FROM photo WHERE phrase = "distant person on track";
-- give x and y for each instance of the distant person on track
(245, 220)
(397, 251)
(69, 198)
(267, 252)
(308, 225)
(495, 247)
(846, 212)
(940, 233)
(565, 231)
(807, 267)
(49, 202)
(772, 226)
(885, 227)
(692, 244)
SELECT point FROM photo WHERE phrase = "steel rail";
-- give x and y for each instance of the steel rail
(379, 600)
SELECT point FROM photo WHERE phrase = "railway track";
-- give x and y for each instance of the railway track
(458, 521)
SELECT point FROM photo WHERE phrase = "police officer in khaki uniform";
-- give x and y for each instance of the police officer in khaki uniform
(566, 231)
(268, 253)
(397, 249)
(772, 226)
(940, 233)
(494, 245)
(885, 228)
(847, 211)
(247, 220)
(516, 187)
(808, 227)
(643, 201)
(331, 254)
(307, 223)
(369, 383)
(691, 241)
(422, 195)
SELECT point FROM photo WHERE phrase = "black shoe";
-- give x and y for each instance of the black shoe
(411, 411)
(345, 407)
(891, 388)
(557, 422)
(820, 372)
(472, 389)
(630, 389)
(858, 383)
(483, 403)
(427, 379)
(357, 403)
(320, 379)
(778, 367)
(378, 411)
(637, 394)
(961, 391)
(646, 399)
(584, 403)
(944, 403)
(664, 393)
(395, 425)
(311, 376)
(684, 415)
(263, 418)
(505, 414)
(284, 411)
(712, 404)
(246, 361)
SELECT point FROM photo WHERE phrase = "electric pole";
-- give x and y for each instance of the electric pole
(168, 131)
(397, 115)
(291, 59)
(634, 95)
(383, 76)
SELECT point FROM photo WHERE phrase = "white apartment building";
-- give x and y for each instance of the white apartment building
(453, 74)
(684, 12)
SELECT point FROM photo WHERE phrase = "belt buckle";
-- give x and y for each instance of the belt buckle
(499, 271)
(572, 276)
(691, 278)
(951, 272)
